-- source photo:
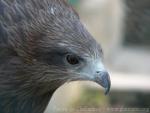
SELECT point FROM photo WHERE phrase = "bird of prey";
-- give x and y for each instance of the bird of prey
(43, 44)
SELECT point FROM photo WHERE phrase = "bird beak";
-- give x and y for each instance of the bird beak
(103, 79)
(96, 72)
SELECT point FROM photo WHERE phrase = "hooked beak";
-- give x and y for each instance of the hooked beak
(103, 79)
(96, 72)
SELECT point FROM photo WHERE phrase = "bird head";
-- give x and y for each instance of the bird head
(56, 48)
(68, 51)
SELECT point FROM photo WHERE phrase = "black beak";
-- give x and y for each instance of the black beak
(103, 79)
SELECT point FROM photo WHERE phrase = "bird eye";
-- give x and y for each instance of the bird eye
(72, 59)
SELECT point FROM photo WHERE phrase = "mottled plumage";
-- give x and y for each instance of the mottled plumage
(43, 45)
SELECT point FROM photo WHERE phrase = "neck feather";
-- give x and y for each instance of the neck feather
(33, 104)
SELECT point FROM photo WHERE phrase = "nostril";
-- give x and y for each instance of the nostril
(98, 72)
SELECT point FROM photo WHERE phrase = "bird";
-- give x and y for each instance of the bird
(43, 44)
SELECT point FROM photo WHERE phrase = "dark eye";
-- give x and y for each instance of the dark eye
(72, 59)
